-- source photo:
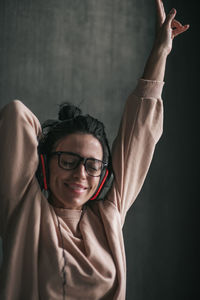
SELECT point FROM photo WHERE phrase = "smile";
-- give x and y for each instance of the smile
(77, 188)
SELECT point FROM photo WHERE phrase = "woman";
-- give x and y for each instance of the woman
(69, 246)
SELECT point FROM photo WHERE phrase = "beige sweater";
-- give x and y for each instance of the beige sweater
(93, 241)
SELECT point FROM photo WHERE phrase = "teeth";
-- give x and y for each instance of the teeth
(76, 188)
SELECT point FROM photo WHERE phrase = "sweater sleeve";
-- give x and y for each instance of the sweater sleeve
(19, 129)
(133, 148)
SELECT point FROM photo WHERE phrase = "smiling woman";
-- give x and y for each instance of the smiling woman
(73, 187)
(68, 244)
(75, 147)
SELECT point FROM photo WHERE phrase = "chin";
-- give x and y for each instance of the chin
(74, 202)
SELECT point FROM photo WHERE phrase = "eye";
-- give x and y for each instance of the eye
(68, 161)
(93, 165)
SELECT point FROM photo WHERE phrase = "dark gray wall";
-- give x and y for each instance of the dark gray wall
(89, 52)
(92, 53)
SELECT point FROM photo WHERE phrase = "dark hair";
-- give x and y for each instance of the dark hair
(71, 120)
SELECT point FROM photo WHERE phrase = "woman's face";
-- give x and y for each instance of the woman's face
(73, 188)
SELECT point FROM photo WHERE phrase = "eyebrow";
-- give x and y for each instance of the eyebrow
(77, 154)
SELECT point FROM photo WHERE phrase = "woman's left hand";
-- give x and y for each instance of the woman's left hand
(167, 28)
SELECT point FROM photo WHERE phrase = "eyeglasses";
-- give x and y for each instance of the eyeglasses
(70, 161)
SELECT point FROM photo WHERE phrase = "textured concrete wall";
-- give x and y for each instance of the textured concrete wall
(86, 52)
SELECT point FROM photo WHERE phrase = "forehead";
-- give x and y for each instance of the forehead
(85, 145)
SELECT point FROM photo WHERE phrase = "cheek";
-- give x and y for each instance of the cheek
(54, 174)
(52, 179)
(94, 184)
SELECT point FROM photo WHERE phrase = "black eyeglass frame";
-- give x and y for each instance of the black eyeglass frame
(81, 159)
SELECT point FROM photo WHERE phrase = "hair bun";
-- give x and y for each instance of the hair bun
(68, 111)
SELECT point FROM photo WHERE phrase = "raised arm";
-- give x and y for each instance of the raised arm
(142, 121)
(19, 129)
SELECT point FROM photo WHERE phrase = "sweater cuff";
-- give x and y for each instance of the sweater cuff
(149, 88)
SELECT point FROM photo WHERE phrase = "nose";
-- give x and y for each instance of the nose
(80, 171)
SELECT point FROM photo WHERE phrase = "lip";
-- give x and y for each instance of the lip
(76, 187)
